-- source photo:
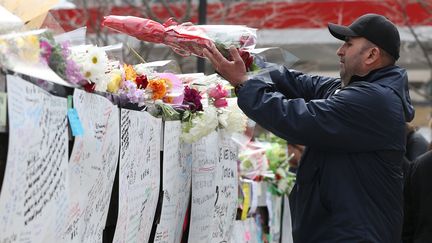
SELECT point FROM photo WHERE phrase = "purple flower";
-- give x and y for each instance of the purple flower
(73, 73)
(46, 50)
(129, 92)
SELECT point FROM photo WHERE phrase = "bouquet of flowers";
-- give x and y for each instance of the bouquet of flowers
(218, 113)
(140, 84)
(268, 160)
(187, 39)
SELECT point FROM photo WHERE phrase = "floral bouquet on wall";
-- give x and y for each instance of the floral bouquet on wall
(268, 160)
(202, 110)
(188, 39)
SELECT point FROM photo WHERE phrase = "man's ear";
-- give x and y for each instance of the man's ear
(373, 55)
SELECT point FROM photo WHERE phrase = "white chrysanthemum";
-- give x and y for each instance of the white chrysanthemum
(94, 75)
(97, 58)
(234, 118)
(202, 125)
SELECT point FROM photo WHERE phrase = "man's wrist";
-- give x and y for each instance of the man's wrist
(237, 88)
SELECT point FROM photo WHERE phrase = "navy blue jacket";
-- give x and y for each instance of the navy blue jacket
(349, 182)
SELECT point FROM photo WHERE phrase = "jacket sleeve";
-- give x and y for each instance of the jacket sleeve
(295, 84)
(360, 118)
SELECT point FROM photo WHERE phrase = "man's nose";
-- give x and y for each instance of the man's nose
(340, 51)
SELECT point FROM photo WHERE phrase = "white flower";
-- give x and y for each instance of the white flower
(97, 58)
(93, 63)
(235, 119)
(142, 69)
(202, 125)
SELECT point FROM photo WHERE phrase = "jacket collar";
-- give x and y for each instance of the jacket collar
(370, 76)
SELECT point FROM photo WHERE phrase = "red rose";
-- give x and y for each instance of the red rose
(89, 87)
(141, 81)
(247, 59)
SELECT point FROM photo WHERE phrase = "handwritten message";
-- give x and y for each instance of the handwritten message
(225, 206)
(139, 175)
(205, 157)
(34, 196)
(176, 167)
(92, 167)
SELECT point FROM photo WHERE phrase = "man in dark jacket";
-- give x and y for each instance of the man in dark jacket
(349, 182)
(417, 226)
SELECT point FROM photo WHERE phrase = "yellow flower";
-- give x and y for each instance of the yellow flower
(158, 88)
(115, 82)
(130, 72)
(29, 49)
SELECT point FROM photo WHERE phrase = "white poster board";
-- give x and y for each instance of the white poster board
(205, 156)
(139, 176)
(177, 167)
(34, 196)
(92, 167)
(225, 206)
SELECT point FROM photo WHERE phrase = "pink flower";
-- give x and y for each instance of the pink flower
(46, 50)
(217, 92)
(222, 102)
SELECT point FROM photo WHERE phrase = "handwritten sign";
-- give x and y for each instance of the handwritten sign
(34, 196)
(92, 167)
(3, 108)
(225, 207)
(275, 216)
(205, 156)
(245, 231)
(139, 175)
(176, 167)
(286, 222)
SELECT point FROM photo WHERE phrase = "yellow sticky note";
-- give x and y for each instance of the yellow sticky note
(3, 108)
(28, 9)
(246, 200)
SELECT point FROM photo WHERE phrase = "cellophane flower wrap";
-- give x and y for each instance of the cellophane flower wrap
(188, 39)
(219, 111)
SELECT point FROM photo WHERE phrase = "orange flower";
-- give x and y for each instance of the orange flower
(158, 88)
(130, 72)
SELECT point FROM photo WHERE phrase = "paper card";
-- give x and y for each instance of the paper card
(75, 123)
(3, 110)
(246, 200)
(254, 198)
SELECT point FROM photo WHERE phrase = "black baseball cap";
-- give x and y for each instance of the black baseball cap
(375, 28)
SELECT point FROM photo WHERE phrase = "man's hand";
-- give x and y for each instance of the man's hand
(234, 71)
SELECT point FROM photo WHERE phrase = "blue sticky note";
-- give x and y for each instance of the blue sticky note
(75, 123)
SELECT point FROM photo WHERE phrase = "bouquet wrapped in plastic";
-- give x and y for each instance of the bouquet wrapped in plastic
(185, 39)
